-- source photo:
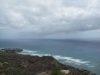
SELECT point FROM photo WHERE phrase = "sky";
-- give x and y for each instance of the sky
(50, 19)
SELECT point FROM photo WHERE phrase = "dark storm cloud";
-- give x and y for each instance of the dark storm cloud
(41, 17)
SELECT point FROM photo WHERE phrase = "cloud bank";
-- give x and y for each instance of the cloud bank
(49, 19)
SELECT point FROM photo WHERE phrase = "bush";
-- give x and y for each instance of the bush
(56, 71)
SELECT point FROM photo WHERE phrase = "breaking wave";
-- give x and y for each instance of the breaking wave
(65, 59)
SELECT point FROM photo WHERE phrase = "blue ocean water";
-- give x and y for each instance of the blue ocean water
(80, 54)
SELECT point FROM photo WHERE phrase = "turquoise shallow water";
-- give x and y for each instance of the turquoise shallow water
(80, 54)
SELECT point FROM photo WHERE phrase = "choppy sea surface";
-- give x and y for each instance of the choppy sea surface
(80, 54)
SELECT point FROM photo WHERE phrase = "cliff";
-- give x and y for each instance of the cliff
(17, 64)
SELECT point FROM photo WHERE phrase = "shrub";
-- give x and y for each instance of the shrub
(56, 71)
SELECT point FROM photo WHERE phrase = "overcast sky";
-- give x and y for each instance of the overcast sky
(50, 19)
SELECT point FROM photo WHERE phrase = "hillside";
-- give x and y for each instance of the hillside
(17, 64)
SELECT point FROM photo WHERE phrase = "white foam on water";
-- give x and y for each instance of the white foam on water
(72, 60)
(29, 51)
(41, 55)
(58, 57)
(33, 53)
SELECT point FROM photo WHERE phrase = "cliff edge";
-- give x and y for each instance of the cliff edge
(17, 64)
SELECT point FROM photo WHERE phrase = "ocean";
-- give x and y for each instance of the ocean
(76, 53)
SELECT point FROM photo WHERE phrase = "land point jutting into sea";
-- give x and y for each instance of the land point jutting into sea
(12, 63)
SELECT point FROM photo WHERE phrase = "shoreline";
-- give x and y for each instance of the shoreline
(66, 59)
(44, 59)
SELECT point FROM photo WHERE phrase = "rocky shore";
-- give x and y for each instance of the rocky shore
(11, 50)
(12, 63)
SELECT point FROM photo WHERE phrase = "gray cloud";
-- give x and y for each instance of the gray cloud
(41, 18)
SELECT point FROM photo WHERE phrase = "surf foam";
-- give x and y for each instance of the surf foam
(58, 57)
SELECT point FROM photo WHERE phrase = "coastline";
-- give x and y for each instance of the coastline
(29, 61)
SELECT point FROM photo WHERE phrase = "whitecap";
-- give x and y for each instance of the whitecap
(65, 59)
(71, 60)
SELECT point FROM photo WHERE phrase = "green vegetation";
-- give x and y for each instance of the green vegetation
(10, 68)
(17, 64)
(56, 71)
